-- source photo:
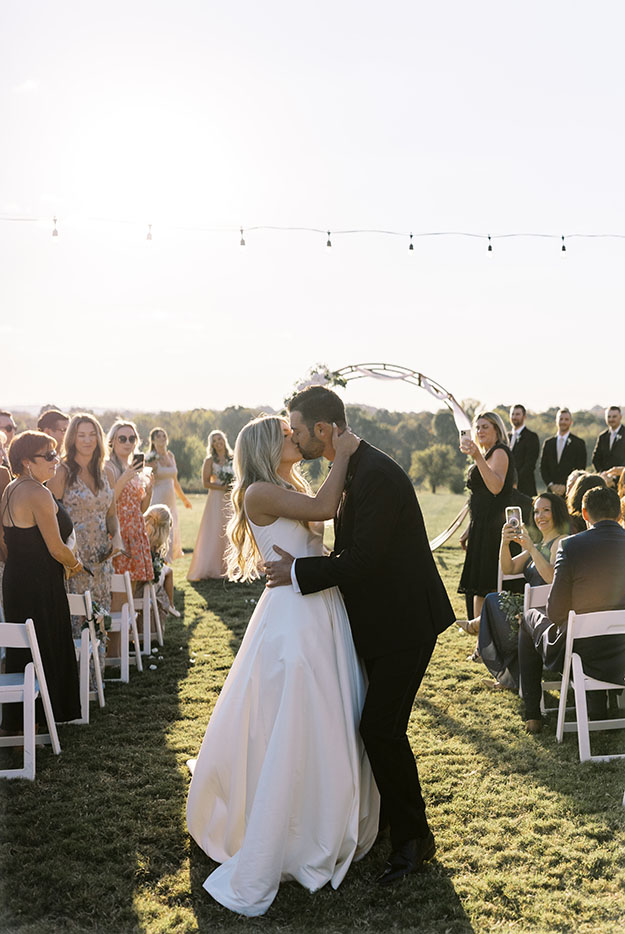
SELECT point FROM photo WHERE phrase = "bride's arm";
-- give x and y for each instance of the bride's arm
(265, 502)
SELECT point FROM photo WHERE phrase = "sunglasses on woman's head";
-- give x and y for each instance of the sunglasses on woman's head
(123, 439)
(48, 456)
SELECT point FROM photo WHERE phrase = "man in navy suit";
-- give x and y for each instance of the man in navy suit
(589, 576)
(562, 454)
(525, 448)
(396, 603)
(609, 450)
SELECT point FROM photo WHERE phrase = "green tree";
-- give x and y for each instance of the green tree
(436, 465)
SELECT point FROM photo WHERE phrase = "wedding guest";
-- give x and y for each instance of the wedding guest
(490, 482)
(83, 487)
(525, 448)
(217, 474)
(608, 457)
(166, 486)
(572, 479)
(35, 529)
(574, 499)
(158, 522)
(132, 488)
(7, 426)
(5, 479)
(562, 454)
(498, 625)
(589, 576)
(54, 423)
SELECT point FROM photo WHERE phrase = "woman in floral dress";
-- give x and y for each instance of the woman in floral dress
(132, 488)
(217, 475)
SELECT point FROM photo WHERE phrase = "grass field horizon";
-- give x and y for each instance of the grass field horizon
(529, 840)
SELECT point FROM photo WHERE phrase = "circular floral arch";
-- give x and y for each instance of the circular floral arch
(321, 375)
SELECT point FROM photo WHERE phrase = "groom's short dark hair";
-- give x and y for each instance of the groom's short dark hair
(318, 404)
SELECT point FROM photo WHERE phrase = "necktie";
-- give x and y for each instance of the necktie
(560, 447)
(613, 437)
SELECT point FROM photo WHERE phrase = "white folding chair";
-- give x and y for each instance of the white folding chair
(501, 577)
(24, 688)
(148, 606)
(586, 626)
(125, 622)
(87, 647)
(535, 598)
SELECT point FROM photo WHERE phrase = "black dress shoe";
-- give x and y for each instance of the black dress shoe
(408, 858)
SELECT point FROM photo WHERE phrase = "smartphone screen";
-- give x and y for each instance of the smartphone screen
(138, 460)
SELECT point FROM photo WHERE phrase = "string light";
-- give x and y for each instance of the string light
(490, 246)
(55, 232)
(329, 243)
(149, 236)
(563, 245)
(242, 240)
(411, 244)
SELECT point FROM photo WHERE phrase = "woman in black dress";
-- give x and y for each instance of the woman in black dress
(490, 482)
(35, 529)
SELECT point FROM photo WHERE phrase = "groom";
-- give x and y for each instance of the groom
(396, 604)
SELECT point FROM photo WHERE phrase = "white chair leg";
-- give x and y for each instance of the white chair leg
(95, 651)
(137, 644)
(29, 722)
(84, 677)
(124, 635)
(564, 688)
(581, 709)
(147, 621)
(157, 615)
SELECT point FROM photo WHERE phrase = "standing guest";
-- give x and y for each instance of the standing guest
(35, 530)
(609, 452)
(217, 474)
(5, 479)
(562, 454)
(132, 488)
(589, 576)
(525, 448)
(166, 486)
(587, 481)
(490, 481)
(54, 423)
(83, 487)
(7, 425)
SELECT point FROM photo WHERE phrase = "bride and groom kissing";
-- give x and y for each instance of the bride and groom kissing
(305, 758)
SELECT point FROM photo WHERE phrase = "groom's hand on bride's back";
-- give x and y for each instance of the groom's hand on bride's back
(279, 572)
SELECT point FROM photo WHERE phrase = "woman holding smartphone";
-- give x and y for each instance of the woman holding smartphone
(132, 490)
(490, 481)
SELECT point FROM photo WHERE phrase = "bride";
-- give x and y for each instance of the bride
(282, 788)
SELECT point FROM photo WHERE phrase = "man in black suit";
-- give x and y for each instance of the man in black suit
(589, 575)
(525, 448)
(397, 605)
(562, 454)
(610, 447)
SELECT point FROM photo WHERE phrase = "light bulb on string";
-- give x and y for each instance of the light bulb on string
(490, 246)
(55, 232)
(411, 244)
(149, 236)
(329, 243)
(563, 250)
(242, 240)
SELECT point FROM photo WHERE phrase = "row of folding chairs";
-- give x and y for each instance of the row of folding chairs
(26, 687)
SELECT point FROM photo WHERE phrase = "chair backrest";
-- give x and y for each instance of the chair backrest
(501, 577)
(601, 623)
(14, 636)
(535, 596)
(80, 604)
(121, 583)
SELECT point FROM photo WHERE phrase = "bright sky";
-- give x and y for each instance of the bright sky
(488, 117)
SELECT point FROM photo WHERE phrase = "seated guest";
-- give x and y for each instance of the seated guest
(7, 425)
(587, 481)
(562, 454)
(498, 625)
(525, 448)
(589, 576)
(159, 523)
(572, 478)
(54, 423)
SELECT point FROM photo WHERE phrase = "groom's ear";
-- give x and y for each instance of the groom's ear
(323, 431)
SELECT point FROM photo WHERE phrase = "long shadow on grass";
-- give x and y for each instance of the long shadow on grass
(424, 902)
(223, 598)
(100, 825)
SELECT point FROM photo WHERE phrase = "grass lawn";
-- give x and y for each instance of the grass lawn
(528, 839)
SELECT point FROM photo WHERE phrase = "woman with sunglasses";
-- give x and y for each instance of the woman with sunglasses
(35, 528)
(132, 489)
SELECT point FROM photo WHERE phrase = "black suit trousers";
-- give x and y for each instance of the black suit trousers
(393, 683)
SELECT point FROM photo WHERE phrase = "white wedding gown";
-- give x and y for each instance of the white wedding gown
(282, 788)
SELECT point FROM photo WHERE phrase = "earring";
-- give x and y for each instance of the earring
(30, 473)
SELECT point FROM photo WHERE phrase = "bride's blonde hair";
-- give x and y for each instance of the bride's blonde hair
(257, 456)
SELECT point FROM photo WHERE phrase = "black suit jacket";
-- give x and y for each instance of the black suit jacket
(589, 575)
(602, 457)
(524, 456)
(573, 458)
(381, 561)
